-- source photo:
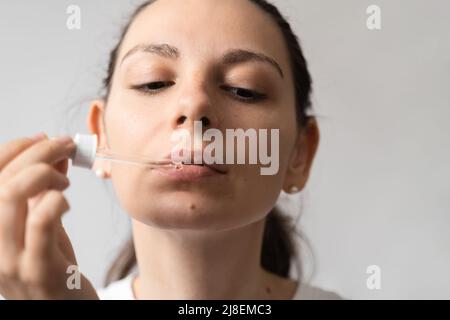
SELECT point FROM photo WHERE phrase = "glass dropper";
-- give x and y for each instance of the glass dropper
(104, 154)
(87, 152)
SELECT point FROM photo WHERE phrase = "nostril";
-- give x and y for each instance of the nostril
(181, 120)
(205, 121)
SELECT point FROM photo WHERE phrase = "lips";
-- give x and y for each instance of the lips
(189, 173)
(219, 168)
(215, 167)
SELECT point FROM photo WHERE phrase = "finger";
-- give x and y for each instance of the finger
(30, 181)
(42, 224)
(48, 151)
(62, 166)
(14, 195)
(10, 149)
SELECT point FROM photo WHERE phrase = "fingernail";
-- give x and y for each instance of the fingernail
(63, 139)
(38, 137)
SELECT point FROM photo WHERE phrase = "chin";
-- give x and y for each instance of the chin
(182, 215)
(187, 210)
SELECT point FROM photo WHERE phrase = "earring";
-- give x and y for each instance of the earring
(293, 189)
(101, 173)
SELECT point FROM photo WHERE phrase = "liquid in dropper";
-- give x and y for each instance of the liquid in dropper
(103, 154)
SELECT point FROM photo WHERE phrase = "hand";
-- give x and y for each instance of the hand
(35, 251)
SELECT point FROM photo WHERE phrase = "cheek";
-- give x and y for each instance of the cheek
(125, 125)
(256, 194)
(130, 119)
(136, 131)
(136, 194)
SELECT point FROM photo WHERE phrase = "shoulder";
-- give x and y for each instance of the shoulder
(118, 290)
(308, 292)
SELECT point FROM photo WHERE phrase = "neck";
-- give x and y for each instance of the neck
(186, 264)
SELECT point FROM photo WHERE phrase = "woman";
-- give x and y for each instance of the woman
(228, 64)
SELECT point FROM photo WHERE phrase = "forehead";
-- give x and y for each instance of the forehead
(207, 28)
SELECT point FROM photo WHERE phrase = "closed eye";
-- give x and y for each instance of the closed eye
(242, 94)
(152, 87)
(245, 95)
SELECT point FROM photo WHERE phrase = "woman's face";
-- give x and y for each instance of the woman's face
(154, 94)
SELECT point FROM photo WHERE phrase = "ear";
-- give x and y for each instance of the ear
(96, 125)
(302, 157)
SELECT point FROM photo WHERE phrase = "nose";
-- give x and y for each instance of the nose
(195, 104)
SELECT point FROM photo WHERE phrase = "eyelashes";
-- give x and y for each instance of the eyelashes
(241, 94)
(245, 95)
(153, 87)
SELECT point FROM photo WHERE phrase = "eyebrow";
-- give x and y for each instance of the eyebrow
(233, 56)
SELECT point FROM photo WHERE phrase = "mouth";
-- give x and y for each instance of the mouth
(216, 167)
(191, 173)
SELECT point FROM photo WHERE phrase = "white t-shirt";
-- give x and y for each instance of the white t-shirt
(123, 290)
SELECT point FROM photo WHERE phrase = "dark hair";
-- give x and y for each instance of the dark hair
(278, 249)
